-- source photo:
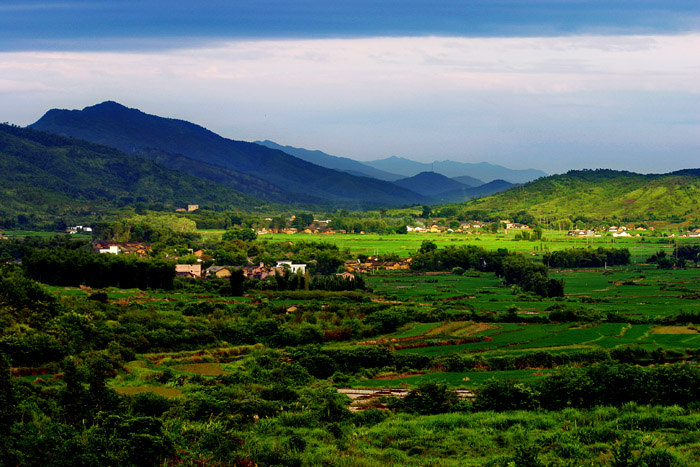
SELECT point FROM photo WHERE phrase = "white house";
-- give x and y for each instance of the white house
(293, 267)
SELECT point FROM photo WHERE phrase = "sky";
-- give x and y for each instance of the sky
(552, 85)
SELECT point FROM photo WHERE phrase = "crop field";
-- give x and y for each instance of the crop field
(406, 245)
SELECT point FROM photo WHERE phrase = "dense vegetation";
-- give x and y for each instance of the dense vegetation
(207, 374)
(590, 195)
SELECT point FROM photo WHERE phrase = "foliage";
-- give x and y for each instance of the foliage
(587, 258)
(74, 267)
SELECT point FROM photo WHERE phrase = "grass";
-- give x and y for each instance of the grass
(204, 369)
(170, 393)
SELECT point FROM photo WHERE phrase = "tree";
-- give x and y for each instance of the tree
(430, 398)
(237, 282)
(427, 246)
(235, 233)
(8, 398)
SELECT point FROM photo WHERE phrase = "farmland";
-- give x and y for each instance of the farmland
(262, 368)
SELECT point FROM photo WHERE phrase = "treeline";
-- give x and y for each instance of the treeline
(678, 258)
(367, 360)
(16, 249)
(298, 281)
(597, 385)
(514, 268)
(587, 257)
(60, 266)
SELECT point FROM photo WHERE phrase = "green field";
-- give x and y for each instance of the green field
(405, 245)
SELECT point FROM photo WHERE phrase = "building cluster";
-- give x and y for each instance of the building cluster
(141, 250)
(373, 264)
(79, 229)
(471, 227)
(259, 271)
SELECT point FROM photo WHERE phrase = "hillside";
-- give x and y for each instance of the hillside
(344, 164)
(252, 186)
(486, 189)
(49, 175)
(133, 131)
(430, 184)
(481, 171)
(602, 194)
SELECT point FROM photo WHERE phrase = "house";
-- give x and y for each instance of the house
(621, 234)
(192, 207)
(128, 248)
(260, 271)
(293, 267)
(112, 249)
(79, 229)
(188, 270)
(374, 264)
(347, 275)
(581, 233)
(218, 271)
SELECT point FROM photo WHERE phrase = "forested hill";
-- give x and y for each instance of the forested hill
(133, 131)
(602, 194)
(47, 175)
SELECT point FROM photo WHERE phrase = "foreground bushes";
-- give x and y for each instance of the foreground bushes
(596, 385)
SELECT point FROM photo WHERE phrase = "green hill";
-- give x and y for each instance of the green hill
(46, 176)
(601, 194)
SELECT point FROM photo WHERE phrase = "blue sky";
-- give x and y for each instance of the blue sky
(553, 85)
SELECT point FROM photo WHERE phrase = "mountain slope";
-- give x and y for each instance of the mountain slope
(467, 180)
(430, 184)
(252, 186)
(344, 164)
(481, 170)
(602, 194)
(133, 131)
(47, 173)
(487, 189)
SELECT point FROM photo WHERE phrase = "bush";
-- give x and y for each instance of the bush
(502, 395)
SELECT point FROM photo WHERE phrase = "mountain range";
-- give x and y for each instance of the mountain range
(481, 171)
(107, 156)
(138, 133)
(397, 168)
(344, 164)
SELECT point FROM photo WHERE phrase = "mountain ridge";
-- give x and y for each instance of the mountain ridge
(329, 161)
(480, 170)
(132, 131)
